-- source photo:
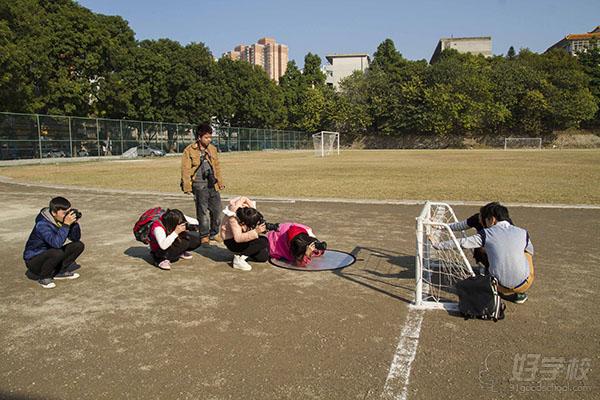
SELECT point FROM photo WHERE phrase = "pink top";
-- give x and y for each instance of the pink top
(279, 245)
(230, 226)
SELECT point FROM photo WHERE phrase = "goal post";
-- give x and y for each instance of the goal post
(438, 270)
(522, 143)
(326, 143)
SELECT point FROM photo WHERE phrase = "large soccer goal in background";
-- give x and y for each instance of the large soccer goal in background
(326, 143)
(522, 143)
(437, 271)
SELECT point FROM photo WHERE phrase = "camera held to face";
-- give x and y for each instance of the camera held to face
(192, 227)
(269, 226)
(321, 245)
(76, 213)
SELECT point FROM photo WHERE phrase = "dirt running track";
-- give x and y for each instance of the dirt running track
(127, 330)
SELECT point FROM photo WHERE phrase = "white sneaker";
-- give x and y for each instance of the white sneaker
(47, 283)
(165, 264)
(239, 262)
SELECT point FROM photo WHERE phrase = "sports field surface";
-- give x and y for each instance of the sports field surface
(546, 176)
(126, 329)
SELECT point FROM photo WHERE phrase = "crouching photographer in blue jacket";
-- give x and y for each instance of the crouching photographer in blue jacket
(46, 255)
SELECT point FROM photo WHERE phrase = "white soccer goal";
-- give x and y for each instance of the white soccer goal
(522, 143)
(326, 143)
(437, 271)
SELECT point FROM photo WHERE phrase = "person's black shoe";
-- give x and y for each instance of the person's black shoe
(73, 267)
(47, 283)
(66, 275)
(518, 298)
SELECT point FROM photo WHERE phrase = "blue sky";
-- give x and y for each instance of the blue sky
(350, 26)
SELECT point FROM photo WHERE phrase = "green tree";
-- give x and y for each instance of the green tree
(349, 110)
(313, 76)
(16, 87)
(468, 79)
(511, 53)
(255, 100)
(311, 107)
(387, 58)
(395, 91)
(71, 52)
(292, 85)
(590, 61)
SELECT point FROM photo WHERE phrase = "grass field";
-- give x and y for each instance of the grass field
(565, 176)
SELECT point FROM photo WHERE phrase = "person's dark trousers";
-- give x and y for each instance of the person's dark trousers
(50, 262)
(256, 250)
(187, 241)
(208, 210)
(480, 256)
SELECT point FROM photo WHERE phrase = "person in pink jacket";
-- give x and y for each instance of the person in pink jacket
(295, 243)
(241, 230)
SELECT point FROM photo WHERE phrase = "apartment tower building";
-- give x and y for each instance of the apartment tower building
(267, 53)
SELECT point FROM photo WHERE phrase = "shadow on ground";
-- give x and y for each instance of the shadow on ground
(140, 252)
(215, 253)
(380, 270)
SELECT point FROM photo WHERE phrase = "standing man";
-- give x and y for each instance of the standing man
(201, 175)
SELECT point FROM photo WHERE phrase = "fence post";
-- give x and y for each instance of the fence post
(161, 136)
(142, 135)
(121, 130)
(98, 136)
(70, 138)
(37, 116)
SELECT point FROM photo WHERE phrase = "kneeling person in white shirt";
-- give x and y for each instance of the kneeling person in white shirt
(171, 239)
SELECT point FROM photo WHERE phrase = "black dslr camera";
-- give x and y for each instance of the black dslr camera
(271, 227)
(76, 213)
(192, 227)
(321, 245)
(268, 225)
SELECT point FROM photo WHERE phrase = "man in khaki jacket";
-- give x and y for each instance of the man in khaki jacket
(201, 175)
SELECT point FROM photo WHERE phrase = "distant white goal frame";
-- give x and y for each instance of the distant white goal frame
(531, 143)
(427, 259)
(321, 147)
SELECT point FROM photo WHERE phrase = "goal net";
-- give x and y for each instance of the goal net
(326, 143)
(437, 271)
(522, 143)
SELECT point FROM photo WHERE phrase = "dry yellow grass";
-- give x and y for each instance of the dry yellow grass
(551, 176)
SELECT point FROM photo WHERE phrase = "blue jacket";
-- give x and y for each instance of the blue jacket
(48, 234)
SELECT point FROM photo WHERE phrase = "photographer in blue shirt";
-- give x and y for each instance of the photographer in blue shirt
(46, 255)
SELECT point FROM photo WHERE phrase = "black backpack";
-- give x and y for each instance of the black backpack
(478, 298)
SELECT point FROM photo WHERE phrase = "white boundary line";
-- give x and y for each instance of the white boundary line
(4, 179)
(396, 384)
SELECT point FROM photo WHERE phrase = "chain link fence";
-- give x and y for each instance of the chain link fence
(31, 136)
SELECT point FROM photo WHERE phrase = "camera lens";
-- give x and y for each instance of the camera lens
(271, 227)
(320, 245)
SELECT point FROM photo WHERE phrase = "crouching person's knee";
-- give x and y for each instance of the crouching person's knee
(262, 256)
(75, 248)
(78, 246)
